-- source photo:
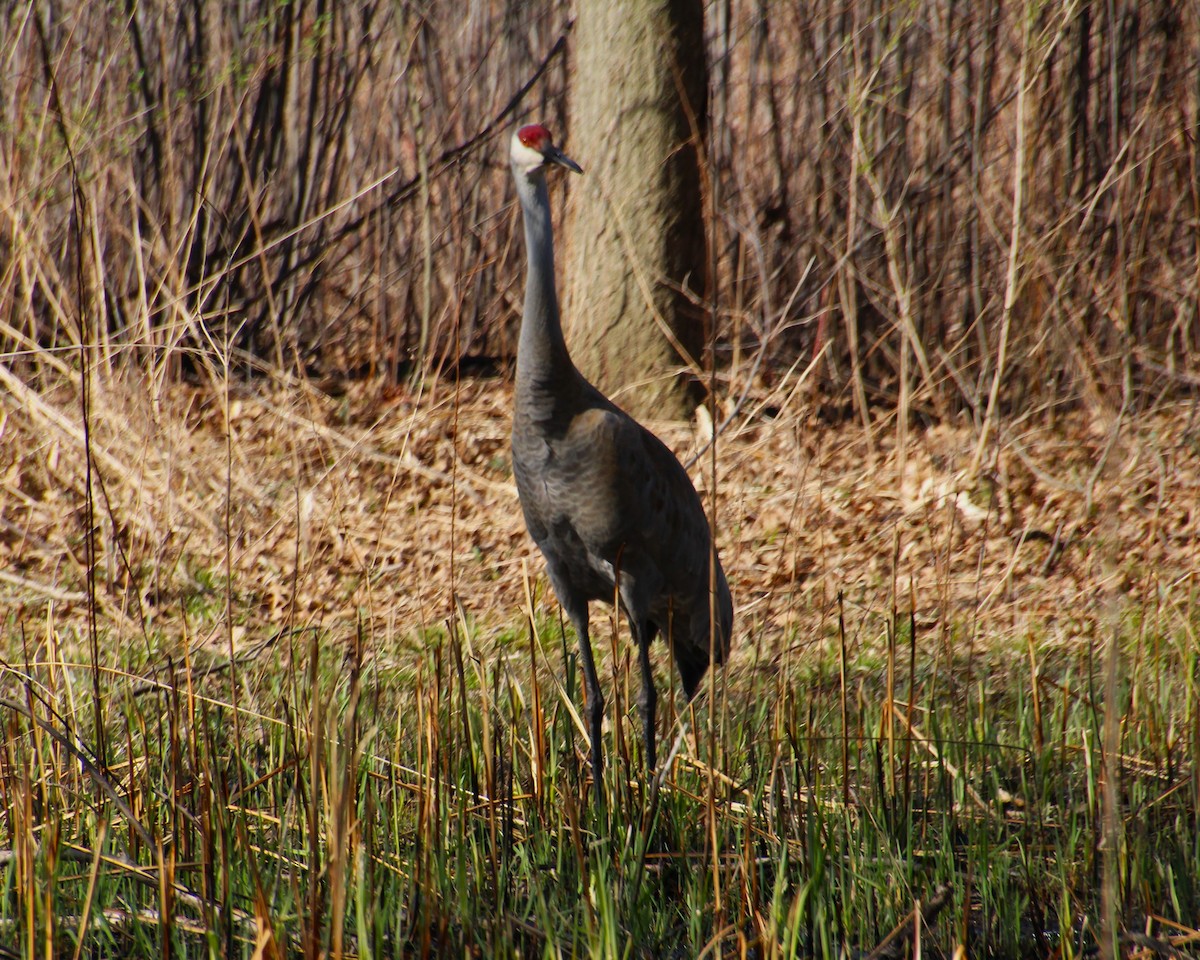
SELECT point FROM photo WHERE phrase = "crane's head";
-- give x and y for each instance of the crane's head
(533, 148)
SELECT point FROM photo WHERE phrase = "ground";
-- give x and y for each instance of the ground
(1006, 728)
(385, 503)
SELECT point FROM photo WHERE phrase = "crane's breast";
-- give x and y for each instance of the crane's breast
(569, 478)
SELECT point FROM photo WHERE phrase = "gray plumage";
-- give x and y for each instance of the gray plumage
(603, 497)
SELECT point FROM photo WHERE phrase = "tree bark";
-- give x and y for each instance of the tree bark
(636, 240)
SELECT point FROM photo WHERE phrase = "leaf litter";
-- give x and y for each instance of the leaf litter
(384, 505)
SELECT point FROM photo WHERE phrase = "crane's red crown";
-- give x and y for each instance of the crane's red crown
(535, 136)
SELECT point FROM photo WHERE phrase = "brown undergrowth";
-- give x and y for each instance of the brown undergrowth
(382, 506)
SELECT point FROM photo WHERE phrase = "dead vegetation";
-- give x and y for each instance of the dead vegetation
(387, 504)
(252, 258)
(233, 248)
(966, 207)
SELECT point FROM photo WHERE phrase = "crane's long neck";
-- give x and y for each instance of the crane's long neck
(544, 368)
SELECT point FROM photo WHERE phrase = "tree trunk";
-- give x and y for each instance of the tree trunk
(636, 241)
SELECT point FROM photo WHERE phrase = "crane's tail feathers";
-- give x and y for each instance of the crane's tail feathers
(696, 639)
(691, 672)
(692, 663)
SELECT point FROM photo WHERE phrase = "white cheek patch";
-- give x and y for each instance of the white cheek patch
(524, 156)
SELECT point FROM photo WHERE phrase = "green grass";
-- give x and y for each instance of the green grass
(330, 797)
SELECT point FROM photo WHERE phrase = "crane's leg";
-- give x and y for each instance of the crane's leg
(595, 699)
(648, 698)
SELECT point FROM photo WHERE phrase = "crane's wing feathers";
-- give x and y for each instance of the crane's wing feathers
(605, 499)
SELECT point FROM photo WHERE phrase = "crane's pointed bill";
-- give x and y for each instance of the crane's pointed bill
(554, 155)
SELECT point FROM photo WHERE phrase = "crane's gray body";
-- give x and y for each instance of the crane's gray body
(609, 506)
(604, 498)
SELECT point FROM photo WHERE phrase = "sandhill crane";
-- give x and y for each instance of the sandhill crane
(607, 503)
